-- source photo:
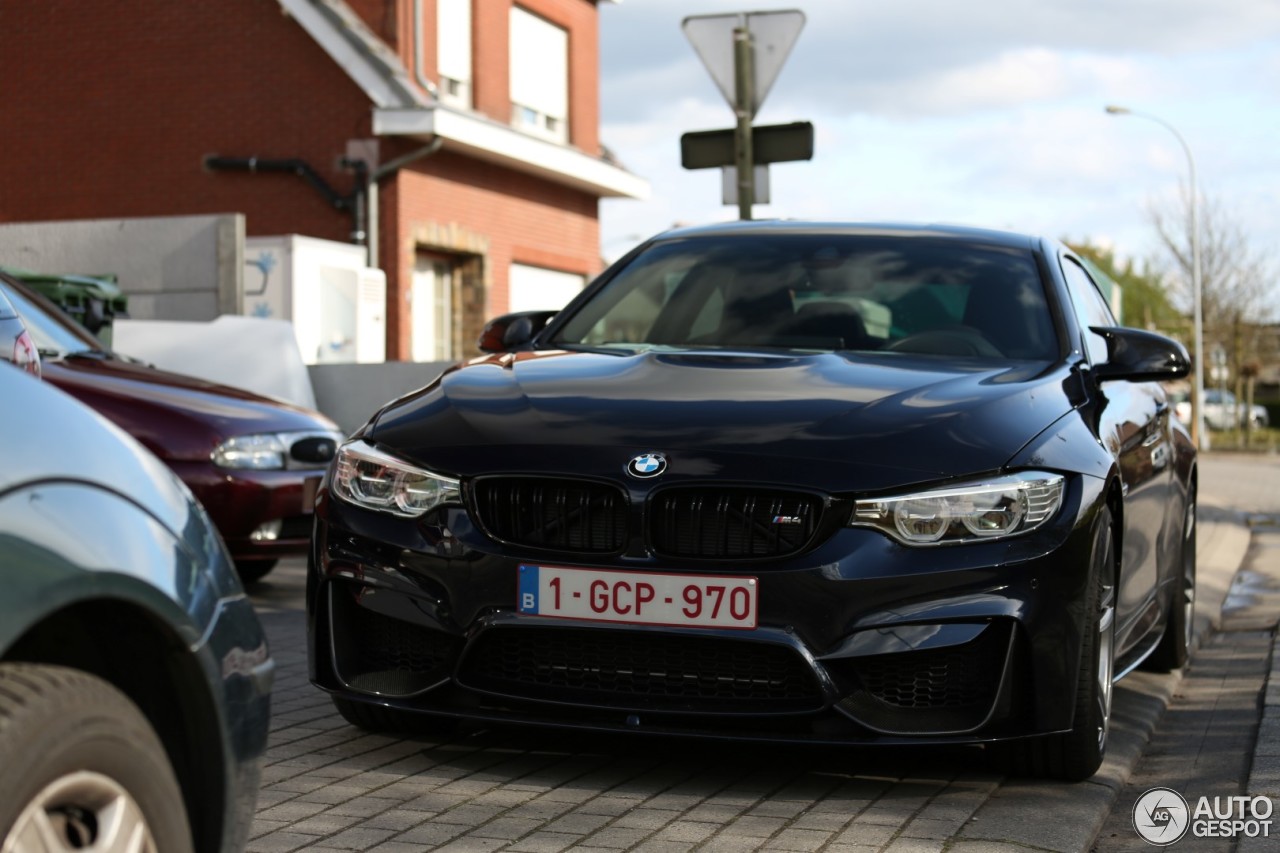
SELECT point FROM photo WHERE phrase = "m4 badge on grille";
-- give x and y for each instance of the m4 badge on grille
(788, 519)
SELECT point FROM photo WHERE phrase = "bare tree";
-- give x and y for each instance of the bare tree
(1236, 282)
(1237, 286)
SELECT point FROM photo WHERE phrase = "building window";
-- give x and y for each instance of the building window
(453, 51)
(539, 76)
(431, 309)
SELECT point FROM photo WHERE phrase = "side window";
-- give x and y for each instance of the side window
(1090, 309)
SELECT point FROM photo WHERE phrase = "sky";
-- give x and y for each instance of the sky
(988, 114)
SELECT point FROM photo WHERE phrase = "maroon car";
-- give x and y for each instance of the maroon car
(254, 462)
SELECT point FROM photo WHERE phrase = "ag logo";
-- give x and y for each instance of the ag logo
(1161, 816)
(647, 465)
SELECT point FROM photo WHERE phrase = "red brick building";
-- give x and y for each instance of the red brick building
(459, 137)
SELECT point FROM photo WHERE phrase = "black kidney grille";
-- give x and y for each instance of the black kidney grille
(717, 523)
(642, 670)
(559, 515)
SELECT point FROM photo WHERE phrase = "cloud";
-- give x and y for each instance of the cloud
(987, 114)
(858, 56)
(1013, 78)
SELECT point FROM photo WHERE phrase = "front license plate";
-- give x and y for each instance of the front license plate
(599, 595)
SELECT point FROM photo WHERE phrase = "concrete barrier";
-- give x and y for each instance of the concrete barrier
(350, 393)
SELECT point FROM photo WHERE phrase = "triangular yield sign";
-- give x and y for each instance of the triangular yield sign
(772, 33)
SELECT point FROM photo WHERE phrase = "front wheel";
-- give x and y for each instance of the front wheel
(88, 771)
(1075, 755)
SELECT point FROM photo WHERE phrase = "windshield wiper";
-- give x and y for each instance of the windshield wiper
(604, 349)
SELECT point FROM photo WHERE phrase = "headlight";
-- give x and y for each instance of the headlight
(259, 452)
(987, 509)
(369, 478)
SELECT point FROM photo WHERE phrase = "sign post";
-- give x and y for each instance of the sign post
(744, 51)
(744, 159)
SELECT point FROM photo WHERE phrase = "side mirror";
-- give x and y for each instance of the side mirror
(511, 331)
(1136, 355)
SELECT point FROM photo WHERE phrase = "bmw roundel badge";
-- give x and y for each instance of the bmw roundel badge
(647, 465)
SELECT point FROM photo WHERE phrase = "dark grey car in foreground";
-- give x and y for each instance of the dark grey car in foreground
(134, 675)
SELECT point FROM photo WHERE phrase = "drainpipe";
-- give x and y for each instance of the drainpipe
(353, 202)
(361, 202)
(292, 165)
(358, 200)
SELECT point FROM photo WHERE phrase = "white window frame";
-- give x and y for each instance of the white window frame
(453, 52)
(539, 75)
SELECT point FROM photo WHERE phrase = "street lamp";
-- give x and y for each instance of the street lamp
(1198, 434)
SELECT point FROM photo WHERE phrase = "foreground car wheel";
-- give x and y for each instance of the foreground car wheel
(89, 772)
(1076, 755)
(1175, 644)
(378, 718)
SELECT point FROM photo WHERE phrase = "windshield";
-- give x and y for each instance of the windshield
(53, 332)
(823, 292)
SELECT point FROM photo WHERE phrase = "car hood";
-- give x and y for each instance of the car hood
(175, 416)
(830, 421)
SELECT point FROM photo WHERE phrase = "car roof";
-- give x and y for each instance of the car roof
(760, 227)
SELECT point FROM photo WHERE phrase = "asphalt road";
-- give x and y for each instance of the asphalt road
(329, 786)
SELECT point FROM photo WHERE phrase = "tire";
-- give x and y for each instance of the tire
(381, 719)
(252, 571)
(1175, 643)
(1075, 755)
(75, 750)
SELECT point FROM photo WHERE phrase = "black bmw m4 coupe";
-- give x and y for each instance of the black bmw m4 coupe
(807, 482)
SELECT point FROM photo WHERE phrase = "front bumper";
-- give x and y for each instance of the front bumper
(241, 502)
(859, 639)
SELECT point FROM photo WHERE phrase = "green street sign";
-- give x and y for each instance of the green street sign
(774, 143)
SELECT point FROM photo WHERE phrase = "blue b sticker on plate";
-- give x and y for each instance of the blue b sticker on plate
(528, 589)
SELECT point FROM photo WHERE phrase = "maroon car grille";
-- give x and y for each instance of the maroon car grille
(559, 515)
(640, 670)
(728, 523)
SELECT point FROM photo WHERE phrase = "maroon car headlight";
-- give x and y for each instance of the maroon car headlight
(267, 452)
(370, 478)
(980, 510)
